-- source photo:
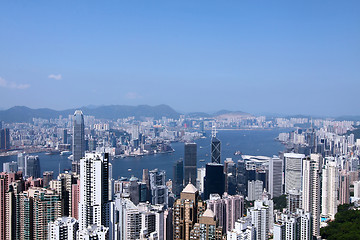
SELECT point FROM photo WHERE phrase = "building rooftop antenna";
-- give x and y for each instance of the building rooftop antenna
(213, 130)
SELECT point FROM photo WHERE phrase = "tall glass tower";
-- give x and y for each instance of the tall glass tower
(78, 147)
(215, 147)
(190, 172)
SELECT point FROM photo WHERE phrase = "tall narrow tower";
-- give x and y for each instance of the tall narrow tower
(215, 146)
(94, 190)
(78, 144)
(190, 163)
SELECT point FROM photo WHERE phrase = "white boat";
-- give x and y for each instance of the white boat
(63, 153)
(71, 157)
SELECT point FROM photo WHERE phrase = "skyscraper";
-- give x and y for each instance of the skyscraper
(293, 163)
(214, 180)
(178, 179)
(32, 166)
(4, 139)
(78, 136)
(311, 190)
(330, 188)
(215, 148)
(186, 212)
(190, 163)
(275, 176)
(158, 188)
(94, 190)
(63, 228)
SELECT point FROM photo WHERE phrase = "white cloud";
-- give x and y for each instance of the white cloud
(55, 76)
(132, 95)
(13, 85)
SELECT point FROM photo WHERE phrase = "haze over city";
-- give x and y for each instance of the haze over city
(258, 57)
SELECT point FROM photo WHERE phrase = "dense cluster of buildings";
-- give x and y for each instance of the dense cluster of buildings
(226, 199)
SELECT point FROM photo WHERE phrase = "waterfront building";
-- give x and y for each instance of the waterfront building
(10, 167)
(78, 138)
(21, 162)
(190, 163)
(32, 166)
(4, 139)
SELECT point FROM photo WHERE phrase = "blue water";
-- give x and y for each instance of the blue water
(252, 142)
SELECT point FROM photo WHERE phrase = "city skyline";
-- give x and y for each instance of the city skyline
(286, 58)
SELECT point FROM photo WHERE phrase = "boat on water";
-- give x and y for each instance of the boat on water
(129, 170)
(201, 146)
(63, 153)
(52, 152)
(71, 157)
(237, 153)
(202, 160)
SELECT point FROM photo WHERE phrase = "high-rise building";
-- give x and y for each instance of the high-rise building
(5, 180)
(64, 186)
(293, 200)
(344, 190)
(311, 190)
(32, 166)
(207, 227)
(241, 178)
(47, 177)
(159, 190)
(243, 230)
(190, 163)
(63, 228)
(37, 208)
(10, 167)
(134, 190)
(255, 190)
(64, 136)
(4, 139)
(78, 142)
(178, 179)
(125, 220)
(187, 209)
(293, 171)
(21, 162)
(260, 219)
(94, 190)
(330, 188)
(215, 148)
(214, 180)
(227, 209)
(293, 226)
(200, 179)
(275, 176)
(230, 176)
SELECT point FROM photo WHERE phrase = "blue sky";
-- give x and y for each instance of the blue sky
(284, 57)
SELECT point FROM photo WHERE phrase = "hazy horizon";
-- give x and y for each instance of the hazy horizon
(281, 57)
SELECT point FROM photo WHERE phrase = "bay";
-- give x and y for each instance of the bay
(250, 142)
